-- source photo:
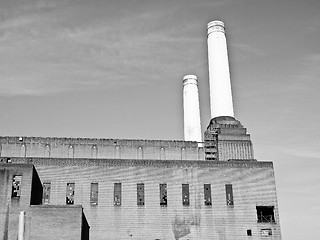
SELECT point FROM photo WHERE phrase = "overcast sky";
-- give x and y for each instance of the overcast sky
(114, 69)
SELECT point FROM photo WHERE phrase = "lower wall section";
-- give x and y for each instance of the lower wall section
(54, 222)
(253, 185)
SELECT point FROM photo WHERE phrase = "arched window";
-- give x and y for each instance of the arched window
(47, 151)
(162, 153)
(94, 151)
(117, 152)
(70, 152)
(23, 150)
(183, 154)
(139, 153)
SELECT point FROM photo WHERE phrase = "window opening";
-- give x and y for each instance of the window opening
(163, 194)
(94, 151)
(185, 195)
(207, 195)
(117, 153)
(117, 194)
(229, 194)
(249, 232)
(94, 194)
(16, 186)
(46, 193)
(140, 194)
(265, 213)
(70, 194)
(266, 232)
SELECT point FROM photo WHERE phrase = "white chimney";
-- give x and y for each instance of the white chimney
(219, 75)
(191, 109)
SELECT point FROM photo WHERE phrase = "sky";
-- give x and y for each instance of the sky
(114, 69)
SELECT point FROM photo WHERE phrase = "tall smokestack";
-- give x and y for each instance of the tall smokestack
(219, 75)
(191, 109)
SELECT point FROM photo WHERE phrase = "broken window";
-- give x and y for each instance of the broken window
(249, 232)
(46, 193)
(265, 213)
(229, 194)
(185, 195)
(140, 194)
(70, 194)
(266, 232)
(207, 195)
(163, 194)
(16, 186)
(117, 194)
(94, 194)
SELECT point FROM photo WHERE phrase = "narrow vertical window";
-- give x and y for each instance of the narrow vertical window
(163, 194)
(162, 153)
(94, 194)
(185, 195)
(183, 154)
(139, 153)
(117, 153)
(16, 186)
(229, 194)
(23, 150)
(117, 194)
(47, 151)
(140, 194)
(94, 151)
(70, 194)
(46, 193)
(207, 195)
(70, 152)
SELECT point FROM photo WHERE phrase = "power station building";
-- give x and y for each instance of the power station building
(208, 187)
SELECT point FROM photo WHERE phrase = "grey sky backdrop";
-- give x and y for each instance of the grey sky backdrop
(113, 69)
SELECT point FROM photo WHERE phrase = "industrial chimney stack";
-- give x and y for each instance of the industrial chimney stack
(219, 75)
(191, 109)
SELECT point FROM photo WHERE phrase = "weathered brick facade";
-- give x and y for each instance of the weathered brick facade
(252, 182)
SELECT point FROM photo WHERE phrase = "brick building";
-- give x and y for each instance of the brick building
(142, 189)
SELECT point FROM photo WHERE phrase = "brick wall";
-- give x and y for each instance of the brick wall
(98, 148)
(253, 185)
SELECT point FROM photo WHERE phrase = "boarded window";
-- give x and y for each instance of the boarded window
(94, 194)
(265, 213)
(117, 194)
(266, 232)
(70, 193)
(163, 194)
(185, 195)
(16, 186)
(140, 194)
(46, 193)
(207, 195)
(229, 194)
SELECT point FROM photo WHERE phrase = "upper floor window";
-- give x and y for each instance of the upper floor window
(46, 192)
(94, 194)
(207, 194)
(229, 194)
(265, 213)
(117, 194)
(16, 186)
(70, 193)
(185, 195)
(163, 194)
(140, 194)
